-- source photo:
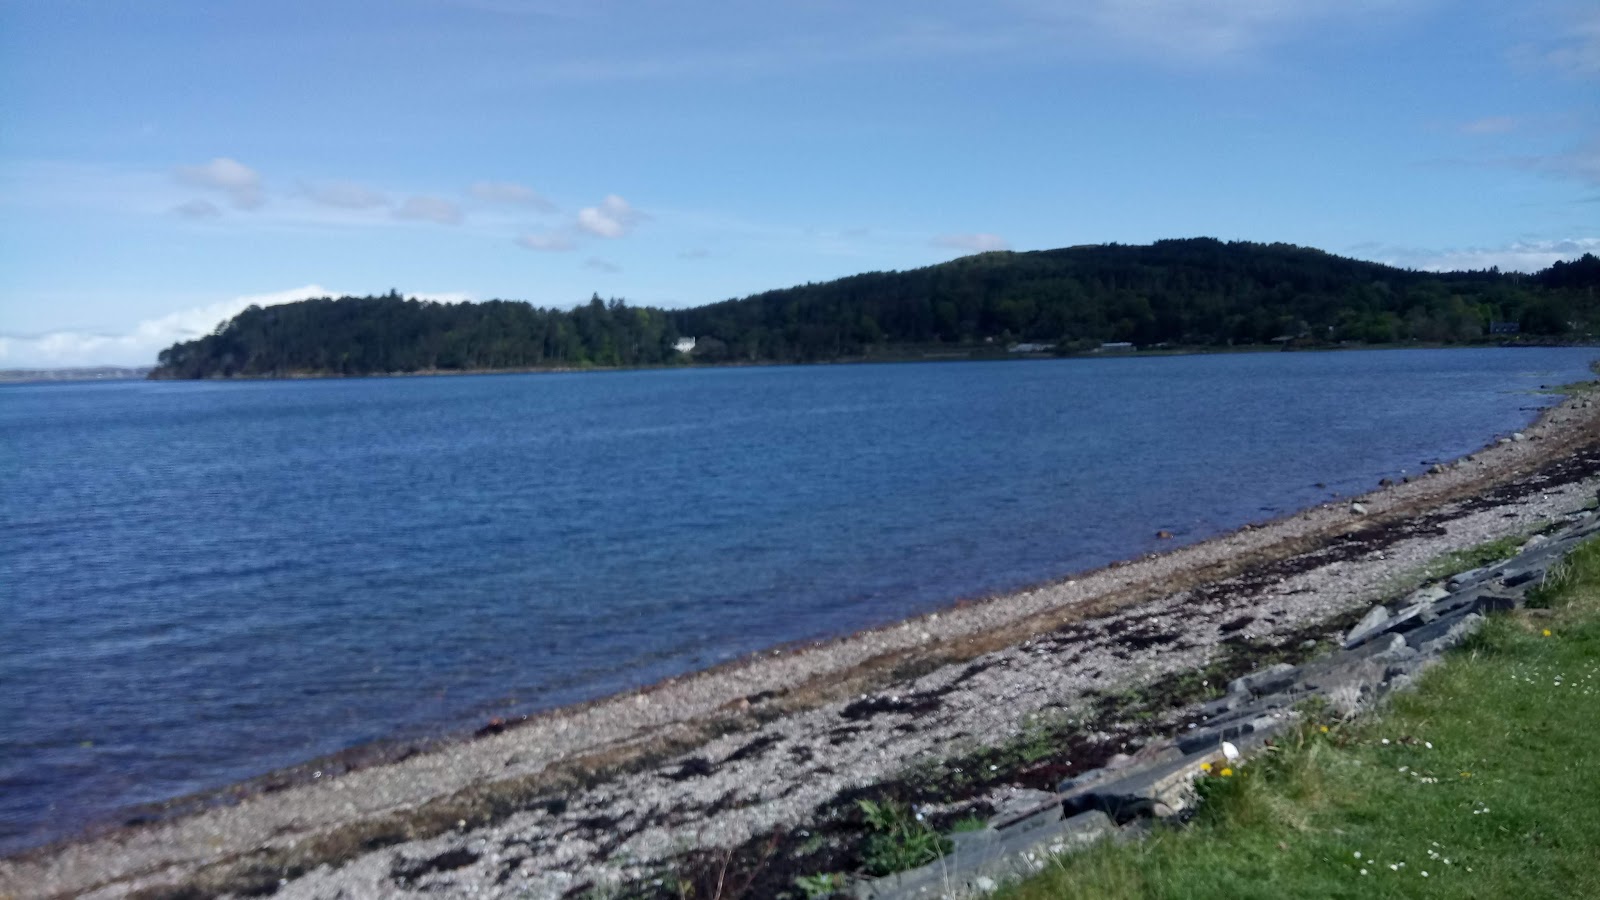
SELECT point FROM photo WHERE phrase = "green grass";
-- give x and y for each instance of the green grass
(1508, 792)
(899, 839)
(1457, 561)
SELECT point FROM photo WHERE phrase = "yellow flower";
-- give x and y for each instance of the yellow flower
(1324, 729)
(1547, 632)
(1205, 767)
(1227, 772)
(1466, 774)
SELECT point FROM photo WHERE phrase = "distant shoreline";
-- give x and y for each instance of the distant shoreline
(79, 373)
(953, 356)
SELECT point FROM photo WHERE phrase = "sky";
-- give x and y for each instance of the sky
(162, 165)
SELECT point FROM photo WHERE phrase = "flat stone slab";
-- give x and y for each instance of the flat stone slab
(984, 860)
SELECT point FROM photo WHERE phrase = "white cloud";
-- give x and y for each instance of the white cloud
(238, 181)
(1517, 256)
(429, 209)
(549, 242)
(613, 218)
(198, 209)
(138, 347)
(346, 195)
(602, 265)
(510, 193)
(971, 243)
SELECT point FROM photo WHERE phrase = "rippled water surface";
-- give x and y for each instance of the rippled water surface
(203, 581)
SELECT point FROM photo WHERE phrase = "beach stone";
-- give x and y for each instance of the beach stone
(1487, 603)
(1370, 624)
(1212, 738)
(1432, 593)
(1462, 579)
(1358, 509)
(1518, 437)
(1518, 577)
(1025, 808)
(1460, 631)
(1160, 791)
(1273, 678)
(979, 864)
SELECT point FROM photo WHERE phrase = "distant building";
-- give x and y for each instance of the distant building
(1504, 328)
(683, 345)
(1116, 347)
(1032, 348)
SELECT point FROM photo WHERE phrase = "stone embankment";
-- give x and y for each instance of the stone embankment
(748, 775)
(1384, 652)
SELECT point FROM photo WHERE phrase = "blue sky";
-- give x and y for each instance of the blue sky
(162, 164)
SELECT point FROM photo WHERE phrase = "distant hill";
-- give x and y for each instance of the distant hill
(1192, 293)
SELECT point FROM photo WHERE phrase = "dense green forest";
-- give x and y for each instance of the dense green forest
(1180, 293)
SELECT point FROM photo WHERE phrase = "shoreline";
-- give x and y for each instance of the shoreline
(608, 737)
(959, 355)
(462, 730)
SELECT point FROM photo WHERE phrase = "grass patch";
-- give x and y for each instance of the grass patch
(1484, 778)
(1476, 556)
(899, 840)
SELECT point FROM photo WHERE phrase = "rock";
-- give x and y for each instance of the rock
(1519, 437)
(1487, 603)
(1457, 633)
(1515, 578)
(1218, 738)
(1025, 808)
(987, 859)
(1461, 579)
(1270, 680)
(1432, 593)
(1164, 535)
(1160, 791)
(1370, 624)
(1358, 509)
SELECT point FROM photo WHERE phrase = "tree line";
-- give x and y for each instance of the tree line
(1181, 293)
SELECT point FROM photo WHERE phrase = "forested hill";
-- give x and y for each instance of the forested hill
(1184, 293)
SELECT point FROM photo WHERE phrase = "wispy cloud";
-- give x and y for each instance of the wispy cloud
(197, 209)
(601, 265)
(613, 218)
(1163, 32)
(239, 182)
(548, 242)
(1580, 163)
(1489, 125)
(1517, 256)
(346, 195)
(694, 253)
(971, 243)
(509, 193)
(1208, 30)
(138, 346)
(429, 209)
(1575, 47)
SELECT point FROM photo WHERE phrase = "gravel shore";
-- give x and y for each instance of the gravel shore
(622, 789)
